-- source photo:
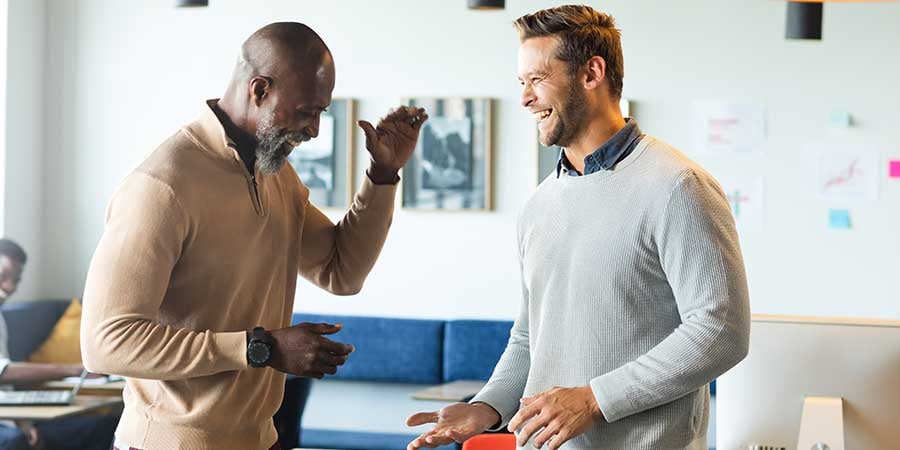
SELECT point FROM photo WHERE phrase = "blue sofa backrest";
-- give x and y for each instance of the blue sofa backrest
(387, 349)
(29, 324)
(473, 347)
(413, 350)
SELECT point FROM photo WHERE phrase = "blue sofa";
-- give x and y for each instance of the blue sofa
(364, 406)
(29, 323)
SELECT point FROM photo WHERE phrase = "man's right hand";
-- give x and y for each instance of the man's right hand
(303, 350)
(454, 423)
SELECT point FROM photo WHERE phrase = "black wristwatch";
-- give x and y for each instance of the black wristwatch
(259, 348)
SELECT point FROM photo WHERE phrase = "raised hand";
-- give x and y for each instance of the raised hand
(555, 416)
(392, 142)
(453, 423)
(303, 350)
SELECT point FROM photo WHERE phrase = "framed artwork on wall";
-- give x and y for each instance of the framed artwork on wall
(546, 158)
(325, 163)
(451, 166)
(625, 107)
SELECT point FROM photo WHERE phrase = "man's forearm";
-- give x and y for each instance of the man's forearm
(21, 373)
(338, 257)
(147, 349)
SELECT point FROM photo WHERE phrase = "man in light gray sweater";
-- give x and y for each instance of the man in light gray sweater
(634, 291)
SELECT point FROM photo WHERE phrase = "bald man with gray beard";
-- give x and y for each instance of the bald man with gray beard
(191, 288)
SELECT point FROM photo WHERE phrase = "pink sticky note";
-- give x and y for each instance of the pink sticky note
(894, 171)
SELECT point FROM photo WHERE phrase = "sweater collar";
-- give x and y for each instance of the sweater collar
(211, 134)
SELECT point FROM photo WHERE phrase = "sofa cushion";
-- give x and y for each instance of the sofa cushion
(388, 349)
(473, 347)
(29, 324)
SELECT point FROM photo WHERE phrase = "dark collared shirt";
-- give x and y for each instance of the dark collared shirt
(244, 142)
(619, 146)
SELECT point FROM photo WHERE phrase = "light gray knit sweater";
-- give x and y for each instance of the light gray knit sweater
(633, 283)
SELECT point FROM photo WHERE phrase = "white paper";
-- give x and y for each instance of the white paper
(87, 381)
(728, 127)
(847, 175)
(745, 197)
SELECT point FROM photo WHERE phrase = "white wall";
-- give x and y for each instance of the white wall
(123, 75)
(23, 178)
(4, 8)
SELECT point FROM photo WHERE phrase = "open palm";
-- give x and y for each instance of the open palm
(453, 423)
(392, 142)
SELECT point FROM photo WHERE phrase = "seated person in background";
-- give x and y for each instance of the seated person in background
(75, 433)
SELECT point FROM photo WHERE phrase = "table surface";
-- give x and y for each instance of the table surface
(366, 406)
(87, 388)
(81, 405)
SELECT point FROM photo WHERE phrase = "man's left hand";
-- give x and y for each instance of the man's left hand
(34, 438)
(555, 416)
(392, 142)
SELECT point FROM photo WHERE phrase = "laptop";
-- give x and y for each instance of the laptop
(42, 398)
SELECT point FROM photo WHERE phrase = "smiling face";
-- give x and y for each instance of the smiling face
(10, 275)
(288, 112)
(550, 93)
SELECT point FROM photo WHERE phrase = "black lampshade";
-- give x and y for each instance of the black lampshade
(486, 4)
(190, 3)
(804, 20)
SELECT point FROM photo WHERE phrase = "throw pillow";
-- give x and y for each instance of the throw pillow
(63, 345)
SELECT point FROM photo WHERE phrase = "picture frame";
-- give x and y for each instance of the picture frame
(547, 158)
(325, 163)
(450, 169)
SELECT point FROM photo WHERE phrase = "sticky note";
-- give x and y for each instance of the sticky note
(894, 168)
(839, 219)
(839, 119)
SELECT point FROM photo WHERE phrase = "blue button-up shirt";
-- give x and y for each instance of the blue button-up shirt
(619, 146)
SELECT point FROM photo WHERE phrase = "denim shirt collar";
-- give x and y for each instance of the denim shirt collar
(607, 155)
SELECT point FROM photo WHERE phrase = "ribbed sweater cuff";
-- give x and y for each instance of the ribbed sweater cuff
(611, 397)
(232, 347)
(376, 195)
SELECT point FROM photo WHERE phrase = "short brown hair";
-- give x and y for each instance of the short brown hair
(583, 33)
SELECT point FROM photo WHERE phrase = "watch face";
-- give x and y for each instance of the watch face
(258, 353)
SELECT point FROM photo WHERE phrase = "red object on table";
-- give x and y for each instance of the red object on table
(491, 442)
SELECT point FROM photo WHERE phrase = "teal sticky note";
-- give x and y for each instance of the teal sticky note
(839, 119)
(839, 219)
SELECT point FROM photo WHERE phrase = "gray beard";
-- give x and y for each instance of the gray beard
(272, 148)
(270, 157)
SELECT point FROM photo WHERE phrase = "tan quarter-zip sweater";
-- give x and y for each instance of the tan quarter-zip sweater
(194, 253)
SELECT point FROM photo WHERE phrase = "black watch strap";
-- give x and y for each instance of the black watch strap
(259, 348)
(259, 333)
